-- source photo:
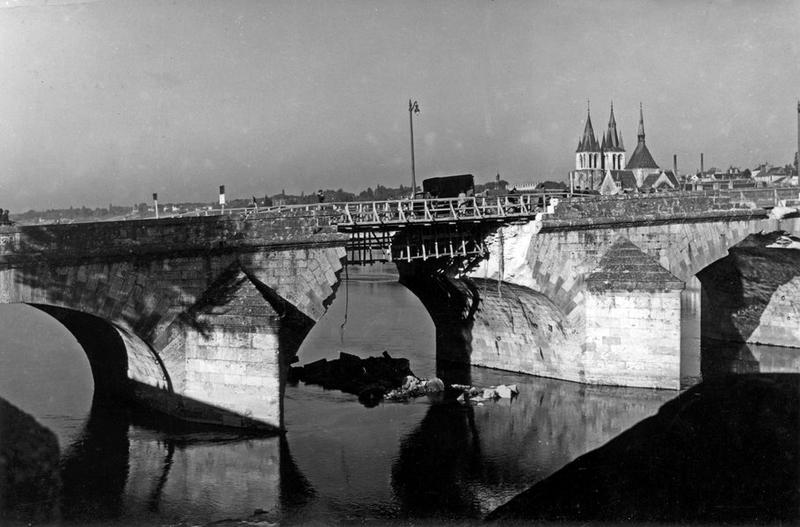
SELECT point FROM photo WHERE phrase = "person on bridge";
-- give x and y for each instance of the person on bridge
(320, 196)
(462, 203)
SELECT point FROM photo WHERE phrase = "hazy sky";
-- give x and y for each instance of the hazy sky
(109, 101)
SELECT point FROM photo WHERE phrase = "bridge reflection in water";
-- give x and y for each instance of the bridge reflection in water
(418, 460)
(123, 469)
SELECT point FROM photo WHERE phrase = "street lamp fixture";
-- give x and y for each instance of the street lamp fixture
(413, 108)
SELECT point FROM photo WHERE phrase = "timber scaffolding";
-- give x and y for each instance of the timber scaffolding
(419, 229)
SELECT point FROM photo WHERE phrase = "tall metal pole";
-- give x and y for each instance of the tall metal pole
(412, 108)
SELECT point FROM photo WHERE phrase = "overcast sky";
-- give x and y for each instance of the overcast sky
(109, 101)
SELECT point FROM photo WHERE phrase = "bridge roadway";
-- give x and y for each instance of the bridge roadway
(199, 317)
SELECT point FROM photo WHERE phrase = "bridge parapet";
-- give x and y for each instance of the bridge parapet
(668, 207)
(87, 241)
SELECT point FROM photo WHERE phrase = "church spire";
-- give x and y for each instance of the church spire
(611, 141)
(641, 157)
(588, 142)
(588, 153)
(613, 151)
(641, 124)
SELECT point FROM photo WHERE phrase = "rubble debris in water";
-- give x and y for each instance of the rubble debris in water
(464, 394)
(471, 394)
(415, 387)
(376, 379)
(370, 379)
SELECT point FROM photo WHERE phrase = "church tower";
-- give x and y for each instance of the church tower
(612, 147)
(588, 153)
(641, 162)
(588, 173)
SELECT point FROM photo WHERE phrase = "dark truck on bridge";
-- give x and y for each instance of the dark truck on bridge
(448, 186)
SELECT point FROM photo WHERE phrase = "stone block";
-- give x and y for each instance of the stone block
(224, 367)
(265, 341)
(236, 380)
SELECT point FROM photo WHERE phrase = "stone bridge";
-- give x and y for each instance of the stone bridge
(194, 317)
(591, 292)
(199, 318)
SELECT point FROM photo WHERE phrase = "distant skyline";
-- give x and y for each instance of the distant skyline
(109, 101)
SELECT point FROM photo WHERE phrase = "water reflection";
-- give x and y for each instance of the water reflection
(94, 468)
(122, 470)
(724, 452)
(690, 371)
(431, 474)
(462, 461)
(720, 358)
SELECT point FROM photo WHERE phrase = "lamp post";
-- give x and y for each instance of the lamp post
(413, 108)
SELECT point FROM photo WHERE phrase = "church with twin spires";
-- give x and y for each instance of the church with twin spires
(601, 166)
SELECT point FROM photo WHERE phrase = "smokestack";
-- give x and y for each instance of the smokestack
(701, 165)
(675, 164)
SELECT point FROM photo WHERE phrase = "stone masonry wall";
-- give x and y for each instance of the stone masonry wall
(632, 338)
(553, 257)
(780, 321)
(234, 357)
(516, 329)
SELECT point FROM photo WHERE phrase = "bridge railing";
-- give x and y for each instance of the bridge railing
(398, 212)
(393, 213)
(323, 210)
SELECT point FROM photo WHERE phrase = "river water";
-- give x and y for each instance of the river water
(340, 461)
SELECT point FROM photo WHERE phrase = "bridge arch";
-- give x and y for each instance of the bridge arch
(116, 357)
(687, 248)
(492, 323)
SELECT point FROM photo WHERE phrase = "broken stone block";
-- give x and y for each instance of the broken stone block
(434, 385)
(503, 391)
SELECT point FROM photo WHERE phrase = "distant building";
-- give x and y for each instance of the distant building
(602, 167)
(592, 157)
(767, 175)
